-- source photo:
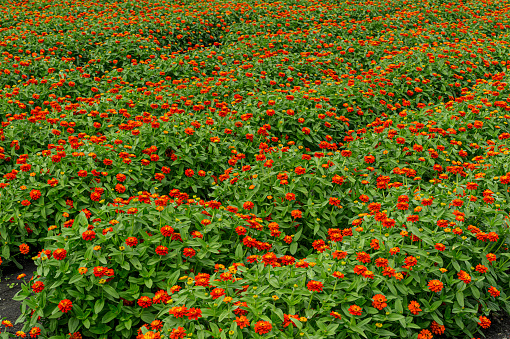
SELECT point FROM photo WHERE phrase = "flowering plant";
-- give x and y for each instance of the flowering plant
(256, 169)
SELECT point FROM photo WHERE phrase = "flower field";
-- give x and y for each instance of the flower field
(256, 169)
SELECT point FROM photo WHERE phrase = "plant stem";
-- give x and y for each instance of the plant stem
(310, 302)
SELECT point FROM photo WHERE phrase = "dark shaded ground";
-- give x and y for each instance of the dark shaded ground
(10, 285)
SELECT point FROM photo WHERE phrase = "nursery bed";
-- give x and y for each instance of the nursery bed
(500, 327)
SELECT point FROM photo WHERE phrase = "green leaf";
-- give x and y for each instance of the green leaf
(239, 251)
(98, 307)
(395, 317)
(384, 333)
(74, 325)
(173, 278)
(293, 247)
(398, 306)
(298, 234)
(435, 305)
(136, 263)
(475, 291)
(460, 298)
(109, 317)
(459, 322)
(111, 291)
(147, 316)
(75, 278)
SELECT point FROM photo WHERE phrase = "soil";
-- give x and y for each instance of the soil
(9, 286)
(11, 310)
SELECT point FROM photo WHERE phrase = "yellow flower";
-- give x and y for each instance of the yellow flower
(275, 297)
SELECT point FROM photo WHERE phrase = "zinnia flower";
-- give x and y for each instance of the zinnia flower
(65, 305)
(435, 285)
(242, 322)
(144, 301)
(355, 310)
(414, 307)
(379, 301)
(262, 327)
(314, 286)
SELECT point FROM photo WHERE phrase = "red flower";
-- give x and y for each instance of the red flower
(35, 332)
(262, 327)
(194, 313)
(88, 235)
(300, 170)
(481, 268)
(35, 194)
(24, 248)
(435, 285)
(339, 255)
(167, 231)
(178, 333)
(355, 310)
(464, 276)
(131, 241)
(242, 322)
(425, 334)
(65, 305)
(248, 205)
(314, 286)
(440, 247)
(296, 214)
(144, 301)
(494, 291)
(363, 257)
(59, 254)
(410, 261)
(436, 328)
(379, 301)
(38, 286)
(162, 250)
(338, 275)
(336, 315)
(217, 292)
(414, 307)
(484, 322)
(189, 252)
(178, 311)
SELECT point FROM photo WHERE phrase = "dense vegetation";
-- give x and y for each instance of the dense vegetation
(221, 169)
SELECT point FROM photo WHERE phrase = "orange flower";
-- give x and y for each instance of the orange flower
(178, 333)
(65, 305)
(435, 285)
(379, 301)
(314, 286)
(262, 327)
(242, 322)
(425, 334)
(296, 214)
(355, 310)
(414, 307)
(24, 248)
(436, 328)
(494, 291)
(484, 322)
